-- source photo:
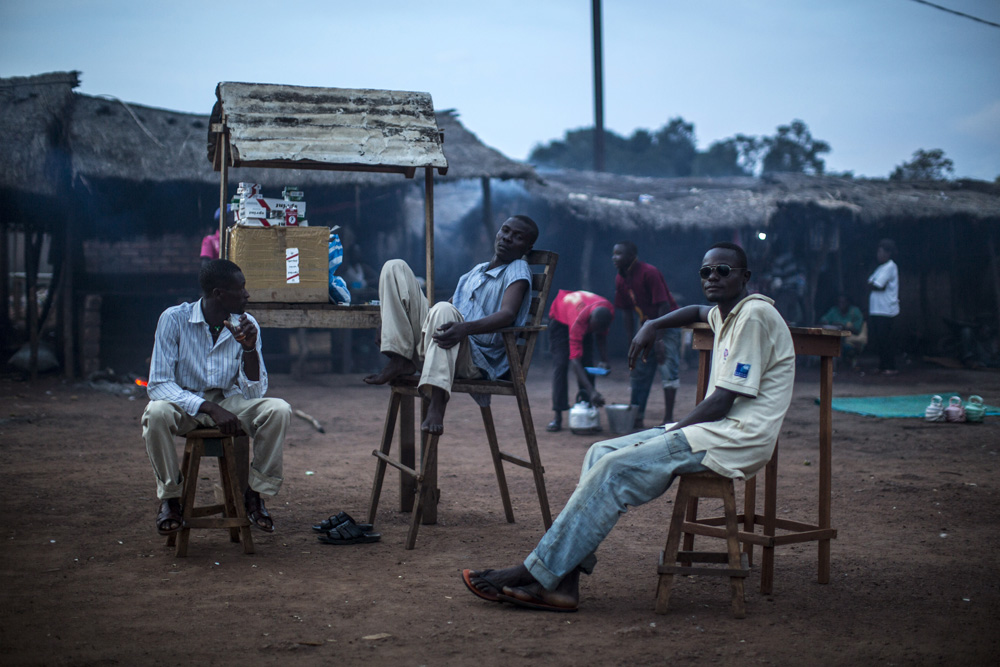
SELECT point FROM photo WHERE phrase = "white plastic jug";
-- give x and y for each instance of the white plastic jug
(584, 418)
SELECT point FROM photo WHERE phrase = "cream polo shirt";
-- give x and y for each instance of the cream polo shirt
(753, 356)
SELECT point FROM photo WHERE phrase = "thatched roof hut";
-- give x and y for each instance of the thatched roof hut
(124, 191)
(627, 202)
(829, 226)
(33, 114)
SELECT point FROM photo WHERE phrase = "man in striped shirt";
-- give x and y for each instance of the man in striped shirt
(206, 370)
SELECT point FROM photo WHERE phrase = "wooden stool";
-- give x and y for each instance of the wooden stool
(199, 443)
(689, 490)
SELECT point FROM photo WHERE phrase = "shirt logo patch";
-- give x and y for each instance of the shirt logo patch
(742, 370)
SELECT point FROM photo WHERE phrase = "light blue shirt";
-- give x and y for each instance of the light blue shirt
(186, 363)
(479, 293)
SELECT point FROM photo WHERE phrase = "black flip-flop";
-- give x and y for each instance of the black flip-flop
(326, 525)
(172, 512)
(256, 511)
(535, 603)
(483, 574)
(348, 533)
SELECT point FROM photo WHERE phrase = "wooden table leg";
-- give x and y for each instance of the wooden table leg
(770, 526)
(407, 456)
(825, 462)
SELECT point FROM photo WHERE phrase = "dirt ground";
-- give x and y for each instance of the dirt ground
(86, 580)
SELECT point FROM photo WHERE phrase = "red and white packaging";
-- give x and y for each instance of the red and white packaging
(291, 215)
(249, 189)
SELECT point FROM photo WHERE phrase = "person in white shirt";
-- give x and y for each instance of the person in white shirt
(732, 432)
(206, 371)
(883, 307)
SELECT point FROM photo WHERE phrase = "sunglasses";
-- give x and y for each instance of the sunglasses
(722, 269)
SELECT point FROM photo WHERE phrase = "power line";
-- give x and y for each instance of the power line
(957, 13)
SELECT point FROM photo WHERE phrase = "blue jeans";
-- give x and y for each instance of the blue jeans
(630, 470)
(645, 371)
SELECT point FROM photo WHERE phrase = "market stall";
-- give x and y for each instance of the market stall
(295, 127)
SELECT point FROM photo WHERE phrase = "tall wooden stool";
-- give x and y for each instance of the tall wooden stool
(211, 442)
(737, 567)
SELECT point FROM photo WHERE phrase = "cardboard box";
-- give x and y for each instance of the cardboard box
(284, 264)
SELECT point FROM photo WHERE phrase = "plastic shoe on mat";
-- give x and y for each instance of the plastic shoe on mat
(935, 411)
(975, 410)
(954, 412)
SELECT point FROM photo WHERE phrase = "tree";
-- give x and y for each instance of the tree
(736, 156)
(793, 149)
(929, 165)
(670, 151)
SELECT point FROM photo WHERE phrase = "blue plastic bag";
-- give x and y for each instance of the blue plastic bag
(338, 288)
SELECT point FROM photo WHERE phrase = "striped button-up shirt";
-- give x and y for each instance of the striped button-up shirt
(480, 293)
(186, 363)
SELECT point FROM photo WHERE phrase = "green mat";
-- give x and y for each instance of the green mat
(896, 406)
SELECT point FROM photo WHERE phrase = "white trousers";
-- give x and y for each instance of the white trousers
(265, 420)
(408, 327)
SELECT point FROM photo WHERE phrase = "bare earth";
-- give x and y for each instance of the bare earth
(87, 581)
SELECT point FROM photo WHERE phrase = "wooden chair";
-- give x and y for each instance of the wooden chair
(210, 442)
(736, 564)
(520, 345)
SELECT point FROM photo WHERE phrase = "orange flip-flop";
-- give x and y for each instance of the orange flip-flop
(467, 578)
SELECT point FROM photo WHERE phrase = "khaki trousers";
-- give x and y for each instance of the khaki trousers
(408, 327)
(265, 420)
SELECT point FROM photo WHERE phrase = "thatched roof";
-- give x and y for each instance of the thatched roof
(110, 139)
(468, 157)
(107, 138)
(33, 111)
(628, 202)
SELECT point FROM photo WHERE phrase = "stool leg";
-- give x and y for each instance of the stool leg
(428, 459)
(749, 514)
(666, 581)
(384, 447)
(234, 501)
(193, 451)
(733, 548)
(172, 538)
(491, 438)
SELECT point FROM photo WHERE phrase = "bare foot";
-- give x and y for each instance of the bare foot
(398, 366)
(434, 421)
(489, 583)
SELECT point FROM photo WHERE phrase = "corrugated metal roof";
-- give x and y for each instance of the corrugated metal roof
(381, 130)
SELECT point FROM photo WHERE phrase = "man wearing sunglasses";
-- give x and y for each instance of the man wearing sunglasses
(732, 432)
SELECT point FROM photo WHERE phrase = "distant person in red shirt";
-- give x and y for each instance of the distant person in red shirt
(575, 320)
(641, 290)
(210, 244)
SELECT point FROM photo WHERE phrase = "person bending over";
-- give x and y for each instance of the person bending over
(206, 371)
(457, 338)
(576, 318)
(732, 432)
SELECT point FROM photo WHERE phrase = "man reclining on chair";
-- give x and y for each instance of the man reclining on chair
(208, 372)
(456, 339)
(732, 432)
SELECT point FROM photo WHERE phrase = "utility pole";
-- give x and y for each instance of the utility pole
(598, 88)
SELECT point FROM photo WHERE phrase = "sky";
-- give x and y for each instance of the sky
(876, 79)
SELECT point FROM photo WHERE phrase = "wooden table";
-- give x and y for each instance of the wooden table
(332, 316)
(824, 343)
